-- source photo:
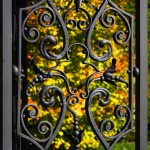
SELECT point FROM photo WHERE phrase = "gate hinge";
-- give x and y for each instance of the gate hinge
(15, 71)
(136, 72)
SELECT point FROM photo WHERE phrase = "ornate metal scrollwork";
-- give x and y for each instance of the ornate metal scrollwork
(44, 127)
(51, 96)
(80, 24)
(109, 77)
(107, 125)
(77, 135)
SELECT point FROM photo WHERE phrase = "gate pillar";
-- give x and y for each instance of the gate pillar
(141, 82)
(6, 74)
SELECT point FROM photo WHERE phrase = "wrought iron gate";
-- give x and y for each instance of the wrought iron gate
(49, 88)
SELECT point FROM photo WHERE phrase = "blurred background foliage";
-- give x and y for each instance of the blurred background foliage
(77, 73)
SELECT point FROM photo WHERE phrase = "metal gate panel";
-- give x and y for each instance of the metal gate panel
(50, 95)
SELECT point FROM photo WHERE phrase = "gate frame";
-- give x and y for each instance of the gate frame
(6, 88)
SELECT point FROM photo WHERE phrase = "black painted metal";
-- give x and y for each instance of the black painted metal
(50, 17)
(141, 82)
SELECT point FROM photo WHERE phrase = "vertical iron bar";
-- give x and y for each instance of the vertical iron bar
(131, 90)
(141, 81)
(1, 76)
(15, 6)
(22, 62)
(6, 74)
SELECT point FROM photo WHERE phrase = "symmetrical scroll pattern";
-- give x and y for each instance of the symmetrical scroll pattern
(48, 15)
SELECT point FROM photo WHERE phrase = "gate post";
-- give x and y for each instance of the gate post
(6, 74)
(141, 82)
